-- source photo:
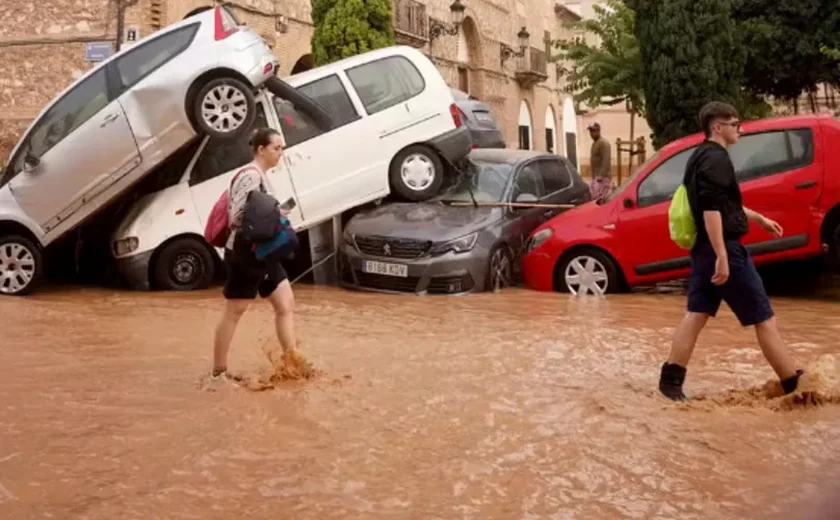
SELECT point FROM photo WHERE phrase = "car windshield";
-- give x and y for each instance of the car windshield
(487, 180)
(629, 179)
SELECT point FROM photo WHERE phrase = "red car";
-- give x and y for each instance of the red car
(788, 169)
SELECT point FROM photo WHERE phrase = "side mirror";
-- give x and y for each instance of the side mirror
(526, 198)
(628, 203)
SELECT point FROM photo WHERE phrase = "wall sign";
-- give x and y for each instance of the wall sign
(97, 51)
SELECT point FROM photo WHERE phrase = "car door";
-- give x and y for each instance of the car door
(331, 170)
(77, 148)
(780, 174)
(643, 223)
(522, 220)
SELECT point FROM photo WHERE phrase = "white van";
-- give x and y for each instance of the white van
(394, 125)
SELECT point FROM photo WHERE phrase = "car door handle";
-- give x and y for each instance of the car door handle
(111, 118)
(805, 185)
(548, 213)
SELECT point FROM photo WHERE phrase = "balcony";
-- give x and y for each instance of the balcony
(532, 68)
(410, 23)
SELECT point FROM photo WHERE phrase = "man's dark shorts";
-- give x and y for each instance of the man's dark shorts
(247, 276)
(743, 292)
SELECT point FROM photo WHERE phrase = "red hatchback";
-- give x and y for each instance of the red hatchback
(788, 169)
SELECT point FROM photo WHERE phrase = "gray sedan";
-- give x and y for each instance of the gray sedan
(467, 239)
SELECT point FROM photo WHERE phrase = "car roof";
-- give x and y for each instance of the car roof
(754, 125)
(358, 59)
(507, 155)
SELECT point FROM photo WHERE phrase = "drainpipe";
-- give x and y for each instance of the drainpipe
(122, 5)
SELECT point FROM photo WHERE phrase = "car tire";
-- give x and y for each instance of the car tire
(234, 98)
(499, 269)
(416, 173)
(185, 264)
(303, 103)
(21, 265)
(602, 272)
(834, 250)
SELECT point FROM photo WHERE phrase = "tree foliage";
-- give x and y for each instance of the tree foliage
(344, 28)
(783, 42)
(691, 54)
(609, 72)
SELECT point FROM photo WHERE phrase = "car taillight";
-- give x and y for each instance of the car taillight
(456, 117)
(225, 25)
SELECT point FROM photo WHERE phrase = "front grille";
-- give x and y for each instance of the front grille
(387, 283)
(450, 284)
(392, 247)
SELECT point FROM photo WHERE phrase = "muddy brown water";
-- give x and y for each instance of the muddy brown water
(515, 405)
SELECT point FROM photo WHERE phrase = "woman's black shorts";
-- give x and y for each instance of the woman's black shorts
(247, 276)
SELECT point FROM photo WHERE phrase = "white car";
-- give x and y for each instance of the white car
(393, 124)
(115, 124)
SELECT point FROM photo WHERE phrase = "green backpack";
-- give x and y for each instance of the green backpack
(681, 220)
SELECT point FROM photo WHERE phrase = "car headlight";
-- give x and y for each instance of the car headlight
(538, 238)
(459, 245)
(125, 246)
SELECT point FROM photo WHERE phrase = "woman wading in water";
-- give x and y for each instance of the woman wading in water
(246, 275)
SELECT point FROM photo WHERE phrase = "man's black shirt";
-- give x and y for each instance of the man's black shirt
(712, 186)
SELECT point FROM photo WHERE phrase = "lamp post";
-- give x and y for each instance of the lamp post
(507, 52)
(456, 12)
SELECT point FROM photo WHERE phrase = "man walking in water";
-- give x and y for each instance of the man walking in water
(721, 268)
(600, 163)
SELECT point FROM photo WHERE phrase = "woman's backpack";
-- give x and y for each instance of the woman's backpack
(261, 218)
(217, 228)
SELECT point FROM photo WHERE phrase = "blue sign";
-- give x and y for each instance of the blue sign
(97, 51)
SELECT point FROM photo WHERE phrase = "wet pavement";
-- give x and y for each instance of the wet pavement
(515, 405)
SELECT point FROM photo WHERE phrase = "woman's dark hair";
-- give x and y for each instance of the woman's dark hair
(261, 137)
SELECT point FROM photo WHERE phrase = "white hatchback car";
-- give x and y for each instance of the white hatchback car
(116, 123)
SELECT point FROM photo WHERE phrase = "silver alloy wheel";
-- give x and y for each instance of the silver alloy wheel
(224, 108)
(499, 270)
(17, 267)
(586, 275)
(417, 172)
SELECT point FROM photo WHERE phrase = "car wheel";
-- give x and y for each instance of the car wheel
(21, 264)
(184, 264)
(586, 271)
(499, 269)
(224, 108)
(834, 250)
(416, 173)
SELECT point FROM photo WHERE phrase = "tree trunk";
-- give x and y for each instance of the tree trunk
(796, 106)
(812, 102)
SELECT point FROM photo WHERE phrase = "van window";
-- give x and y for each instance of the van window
(330, 94)
(144, 59)
(297, 126)
(81, 103)
(767, 153)
(221, 156)
(384, 83)
(661, 184)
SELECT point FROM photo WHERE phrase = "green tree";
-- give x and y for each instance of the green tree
(344, 28)
(691, 54)
(783, 43)
(609, 72)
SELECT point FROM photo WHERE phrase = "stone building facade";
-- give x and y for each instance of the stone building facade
(42, 49)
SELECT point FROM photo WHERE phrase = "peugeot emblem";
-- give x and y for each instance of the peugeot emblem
(386, 249)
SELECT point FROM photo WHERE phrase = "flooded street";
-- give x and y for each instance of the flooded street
(518, 405)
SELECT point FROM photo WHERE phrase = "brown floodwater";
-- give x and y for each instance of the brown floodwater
(514, 405)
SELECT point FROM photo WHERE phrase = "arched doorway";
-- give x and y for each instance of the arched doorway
(303, 64)
(550, 130)
(469, 58)
(570, 131)
(526, 135)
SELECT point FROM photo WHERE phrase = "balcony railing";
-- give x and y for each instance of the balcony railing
(532, 68)
(410, 22)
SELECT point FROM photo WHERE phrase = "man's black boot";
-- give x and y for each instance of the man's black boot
(671, 381)
(789, 384)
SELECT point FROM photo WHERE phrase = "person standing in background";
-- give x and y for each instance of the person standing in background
(601, 163)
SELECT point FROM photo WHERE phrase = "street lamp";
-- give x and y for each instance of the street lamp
(507, 52)
(456, 13)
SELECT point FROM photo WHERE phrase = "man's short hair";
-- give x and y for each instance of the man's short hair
(714, 111)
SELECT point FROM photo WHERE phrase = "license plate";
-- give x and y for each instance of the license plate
(370, 266)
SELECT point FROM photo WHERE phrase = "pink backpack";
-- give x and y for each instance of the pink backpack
(217, 228)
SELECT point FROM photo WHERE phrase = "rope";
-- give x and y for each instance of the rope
(316, 264)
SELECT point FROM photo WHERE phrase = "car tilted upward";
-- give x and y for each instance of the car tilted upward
(467, 239)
